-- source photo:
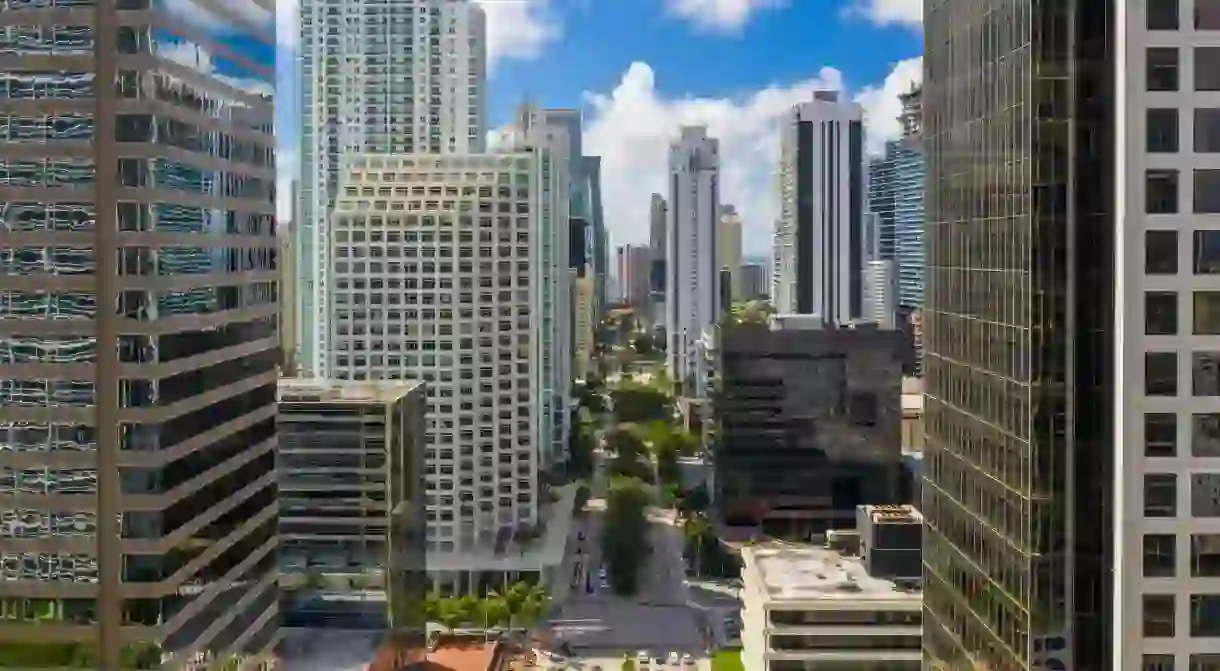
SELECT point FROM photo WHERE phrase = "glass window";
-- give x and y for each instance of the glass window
(1160, 313)
(1162, 15)
(1160, 495)
(1205, 373)
(1204, 615)
(1205, 435)
(1207, 191)
(1205, 495)
(1205, 555)
(1160, 434)
(1159, 555)
(1161, 132)
(1161, 252)
(1207, 15)
(1206, 252)
(1157, 663)
(1207, 130)
(1160, 374)
(1207, 68)
(1161, 191)
(1205, 661)
(1206, 313)
(1158, 615)
(1162, 69)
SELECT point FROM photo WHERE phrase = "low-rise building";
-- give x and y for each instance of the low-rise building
(808, 608)
(351, 477)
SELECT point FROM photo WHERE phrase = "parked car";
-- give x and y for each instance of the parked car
(673, 659)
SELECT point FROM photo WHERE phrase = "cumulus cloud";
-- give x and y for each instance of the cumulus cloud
(882, 106)
(726, 16)
(631, 128)
(907, 13)
(519, 28)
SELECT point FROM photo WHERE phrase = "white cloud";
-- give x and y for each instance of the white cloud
(519, 28)
(287, 23)
(727, 16)
(881, 104)
(249, 12)
(631, 127)
(907, 13)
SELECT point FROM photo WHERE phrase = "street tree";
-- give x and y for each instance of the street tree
(640, 403)
(625, 532)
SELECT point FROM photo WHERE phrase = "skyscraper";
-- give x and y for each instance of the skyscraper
(1020, 319)
(820, 245)
(896, 196)
(138, 344)
(633, 266)
(404, 77)
(728, 241)
(692, 295)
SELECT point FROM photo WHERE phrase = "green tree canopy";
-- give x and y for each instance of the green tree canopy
(640, 403)
(625, 532)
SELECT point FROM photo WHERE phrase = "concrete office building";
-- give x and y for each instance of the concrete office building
(351, 455)
(692, 294)
(728, 241)
(807, 607)
(378, 78)
(442, 270)
(881, 294)
(820, 239)
(138, 345)
(807, 422)
(633, 266)
(754, 284)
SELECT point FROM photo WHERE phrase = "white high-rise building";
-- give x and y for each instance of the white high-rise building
(692, 295)
(881, 294)
(378, 77)
(820, 242)
(439, 274)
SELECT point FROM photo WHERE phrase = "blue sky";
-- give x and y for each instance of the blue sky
(641, 68)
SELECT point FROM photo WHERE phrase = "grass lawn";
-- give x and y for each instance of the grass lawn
(727, 660)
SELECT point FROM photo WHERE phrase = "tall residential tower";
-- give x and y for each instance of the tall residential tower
(820, 238)
(378, 77)
(692, 295)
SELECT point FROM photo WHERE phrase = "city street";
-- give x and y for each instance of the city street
(658, 619)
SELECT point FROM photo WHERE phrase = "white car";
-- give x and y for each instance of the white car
(642, 657)
(673, 659)
(688, 660)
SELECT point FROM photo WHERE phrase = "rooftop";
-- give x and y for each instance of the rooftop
(300, 389)
(893, 513)
(805, 573)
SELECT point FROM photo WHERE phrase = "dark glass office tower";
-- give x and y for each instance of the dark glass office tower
(138, 346)
(1020, 238)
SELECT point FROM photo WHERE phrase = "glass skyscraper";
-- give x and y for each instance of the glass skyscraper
(1018, 126)
(896, 195)
(138, 348)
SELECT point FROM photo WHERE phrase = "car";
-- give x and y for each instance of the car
(673, 659)
(687, 659)
(642, 657)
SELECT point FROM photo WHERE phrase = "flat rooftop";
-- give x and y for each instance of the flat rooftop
(321, 390)
(790, 572)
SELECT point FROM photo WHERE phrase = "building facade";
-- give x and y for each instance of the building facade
(807, 607)
(728, 241)
(881, 294)
(138, 345)
(378, 78)
(633, 267)
(1019, 324)
(820, 238)
(807, 423)
(440, 271)
(351, 455)
(896, 196)
(754, 283)
(692, 294)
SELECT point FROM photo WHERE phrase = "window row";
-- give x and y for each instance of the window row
(1160, 613)
(1166, 15)
(1161, 555)
(1161, 435)
(1163, 66)
(1161, 374)
(1165, 662)
(1161, 495)
(1161, 313)
(1161, 252)
(1161, 191)
(1162, 130)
